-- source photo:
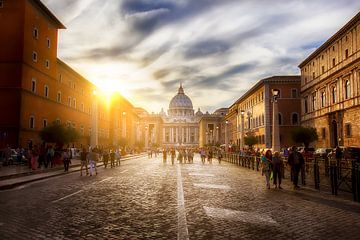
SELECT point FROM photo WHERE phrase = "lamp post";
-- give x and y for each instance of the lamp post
(275, 133)
(226, 140)
(124, 124)
(94, 122)
(242, 130)
(217, 134)
(146, 137)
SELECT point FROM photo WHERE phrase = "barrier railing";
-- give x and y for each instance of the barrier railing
(321, 173)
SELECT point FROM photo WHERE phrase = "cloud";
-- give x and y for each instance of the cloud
(215, 47)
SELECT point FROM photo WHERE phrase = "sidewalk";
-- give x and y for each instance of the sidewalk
(13, 176)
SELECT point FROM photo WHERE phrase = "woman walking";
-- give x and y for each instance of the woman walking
(276, 167)
(266, 166)
(66, 159)
(34, 157)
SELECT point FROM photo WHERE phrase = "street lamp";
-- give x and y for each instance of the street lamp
(94, 121)
(146, 137)
(275, 133)
(217, 134)
(242, 130)
(124, 124)
(226, 140)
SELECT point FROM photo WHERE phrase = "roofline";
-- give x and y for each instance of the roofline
(295, 78)
(72, 70)
(48, 13)
(342, 30)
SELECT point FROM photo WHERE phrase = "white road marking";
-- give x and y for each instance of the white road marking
(204, 185)
(248, 217)
(104, 180)
(201, 174)
(124, 171)
(183, 233)
(67, 196)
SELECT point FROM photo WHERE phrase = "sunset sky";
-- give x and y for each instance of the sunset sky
(217, 48)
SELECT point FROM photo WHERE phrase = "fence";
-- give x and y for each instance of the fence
(321, 173)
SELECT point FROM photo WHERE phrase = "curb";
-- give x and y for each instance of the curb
(50, 174)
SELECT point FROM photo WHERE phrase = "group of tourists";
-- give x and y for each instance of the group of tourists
(272, 166)
(47, 156)
(91, 157)
(185, 155)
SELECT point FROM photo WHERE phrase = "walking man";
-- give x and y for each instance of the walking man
(84, 161)
(296, 161)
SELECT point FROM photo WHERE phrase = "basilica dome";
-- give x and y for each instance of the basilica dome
(181, 101)
(180, 104)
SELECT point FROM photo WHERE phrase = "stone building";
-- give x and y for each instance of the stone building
(251, 114)
(330, 88)
(37, 88)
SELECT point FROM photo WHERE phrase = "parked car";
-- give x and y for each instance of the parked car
(322, 152)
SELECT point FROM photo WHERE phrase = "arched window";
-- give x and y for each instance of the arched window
(58, 98)
(280, 119)
(347, 89)
(32, 122)
(333, 92)
(46, 91)
(313, 102)
(323, 99)
(295, 119)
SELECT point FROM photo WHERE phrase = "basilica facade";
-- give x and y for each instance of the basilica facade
(180, 126)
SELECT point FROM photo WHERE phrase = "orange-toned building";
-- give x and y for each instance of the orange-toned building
(37, 88)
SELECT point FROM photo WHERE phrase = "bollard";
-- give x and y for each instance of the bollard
(316, 174)
(355, 180)
(333, 177)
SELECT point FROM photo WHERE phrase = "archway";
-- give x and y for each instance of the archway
(334, 134)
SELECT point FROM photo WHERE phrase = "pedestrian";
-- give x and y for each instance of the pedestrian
(296, 161)
(276, 167)
(210, 155)
(203, 155)
(164, 155)
(266, 166)
(173, 155)
(93, 157)
(66, 159)
(118, 157)
(34, 157)
(220, 155)
(112, 158)
(106, 158)
(84, 161)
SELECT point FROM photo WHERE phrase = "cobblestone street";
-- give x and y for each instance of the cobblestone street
(146, 199)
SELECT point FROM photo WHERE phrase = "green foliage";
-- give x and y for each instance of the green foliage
(304, 135)
(59, 134)
(250, 140)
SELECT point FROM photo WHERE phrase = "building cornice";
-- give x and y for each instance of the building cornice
(48, 14)
(342, 30)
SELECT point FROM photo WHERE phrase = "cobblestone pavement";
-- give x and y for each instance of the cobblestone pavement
(146, 199)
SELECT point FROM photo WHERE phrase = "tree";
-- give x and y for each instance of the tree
(304, 135)
(59, 134)
(250, 140)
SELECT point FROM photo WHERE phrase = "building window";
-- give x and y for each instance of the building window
(69, 101)
(58, 121)
(46, 91)
(306, 110)
(82, 107)
(333, 48)
(348, 130)
(347, 89)
(346, 53)
(74, 103)
(60, 78)
(323, 99)
(323, 69)
(294, 93)
(82, 129)
(323, 133)
(48, 43)
(280, 119)
(333, 94)
(313, 102)
(32, 122)
(33, 85)
(1, 3)
(34, 56)
(47, 63)
(45, 123)
(333, 62)
(295, 119)
(58, 98)
(313, 75)
(35, 33)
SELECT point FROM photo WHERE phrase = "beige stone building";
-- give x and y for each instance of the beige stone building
(253, 111)
(330, 88)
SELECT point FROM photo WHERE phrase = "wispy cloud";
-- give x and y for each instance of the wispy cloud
(216, 48)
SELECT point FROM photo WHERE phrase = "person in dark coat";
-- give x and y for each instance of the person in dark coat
(296, 161)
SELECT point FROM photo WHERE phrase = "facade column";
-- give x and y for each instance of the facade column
(94, 122)
(177, 135)
(276, 133)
